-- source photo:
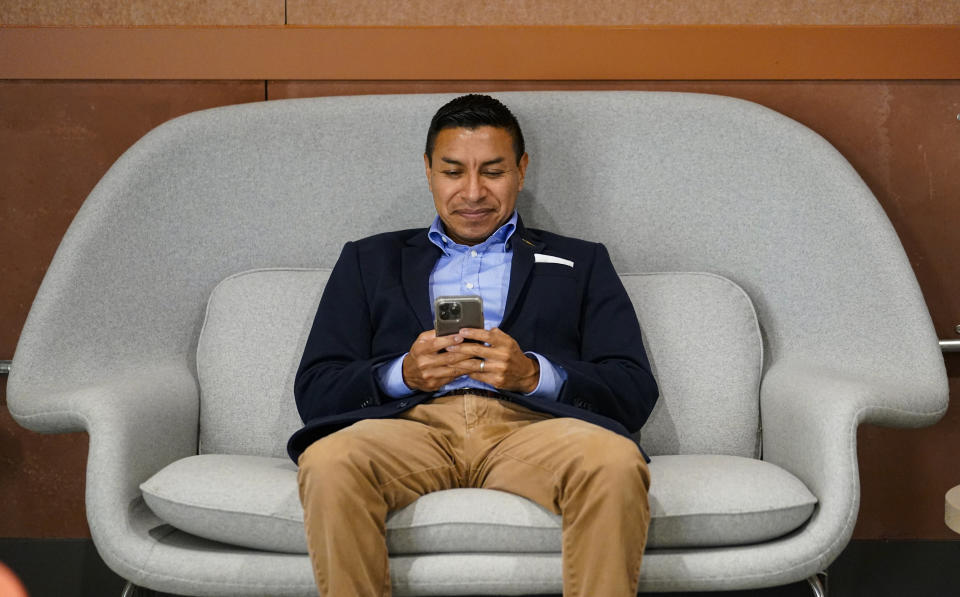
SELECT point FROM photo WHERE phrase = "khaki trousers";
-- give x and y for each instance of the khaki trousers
(595, 478)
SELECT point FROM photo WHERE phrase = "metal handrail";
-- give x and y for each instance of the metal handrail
(945, 346)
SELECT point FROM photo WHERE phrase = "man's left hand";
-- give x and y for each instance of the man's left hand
(504, 365)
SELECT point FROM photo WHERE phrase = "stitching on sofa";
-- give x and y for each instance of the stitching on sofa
(226, 510)
(735, 514)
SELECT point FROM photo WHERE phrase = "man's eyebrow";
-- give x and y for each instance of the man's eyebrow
(458, 163)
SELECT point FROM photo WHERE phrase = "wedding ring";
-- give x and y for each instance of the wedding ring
(482, 363)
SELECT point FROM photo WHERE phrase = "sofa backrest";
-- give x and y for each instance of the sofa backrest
(700, 330)
(668, 181)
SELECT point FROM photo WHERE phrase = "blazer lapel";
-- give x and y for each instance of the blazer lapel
(417, 261)
(524, 246)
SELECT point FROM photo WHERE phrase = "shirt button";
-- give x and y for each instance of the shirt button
(473, 253)
(469, 284)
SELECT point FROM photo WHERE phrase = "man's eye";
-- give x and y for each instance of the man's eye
(452, 172)
(493, 173)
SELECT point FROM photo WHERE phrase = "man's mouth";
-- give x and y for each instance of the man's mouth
(474, 214)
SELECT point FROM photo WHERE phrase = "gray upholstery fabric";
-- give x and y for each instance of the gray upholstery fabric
(709, 184)
(706, 351)
(695, 501)
(670, 182)
(704, 345)
(253, 336)
(701, 331)
(722, 501)
(250, 501)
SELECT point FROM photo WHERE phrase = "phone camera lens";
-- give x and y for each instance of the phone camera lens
(449, 311)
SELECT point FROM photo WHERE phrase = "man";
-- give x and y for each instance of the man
(541, 404)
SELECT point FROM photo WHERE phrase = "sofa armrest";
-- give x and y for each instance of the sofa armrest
(810, 416)
(138, 421)
(810, 413)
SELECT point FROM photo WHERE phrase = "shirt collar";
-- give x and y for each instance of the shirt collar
(501, 236)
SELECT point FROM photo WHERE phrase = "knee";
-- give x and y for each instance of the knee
(616, 459)
(331, 460)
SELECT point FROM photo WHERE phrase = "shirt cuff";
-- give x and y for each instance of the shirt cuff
(389, 376)
(551, 378)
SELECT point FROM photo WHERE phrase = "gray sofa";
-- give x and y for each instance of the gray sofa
(777, 304)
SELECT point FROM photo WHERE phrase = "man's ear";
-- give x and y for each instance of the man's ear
(427, 168)
(522, 166)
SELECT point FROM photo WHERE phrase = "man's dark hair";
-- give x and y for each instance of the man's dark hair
(470, 112)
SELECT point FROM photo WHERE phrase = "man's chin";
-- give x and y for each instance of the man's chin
(474, 234)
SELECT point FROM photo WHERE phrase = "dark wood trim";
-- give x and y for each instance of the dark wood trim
(474, 53)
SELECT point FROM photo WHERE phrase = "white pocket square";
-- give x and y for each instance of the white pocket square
(541, 258)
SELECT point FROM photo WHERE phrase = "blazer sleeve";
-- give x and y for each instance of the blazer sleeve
(612, 376)
(336, 371)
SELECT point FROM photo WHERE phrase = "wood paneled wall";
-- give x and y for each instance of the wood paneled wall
(57, 137)
(472, 12)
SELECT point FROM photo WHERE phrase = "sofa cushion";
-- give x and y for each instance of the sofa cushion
(700, 331)
(703, 341)
(249, 349)
(695, 501)
(717, 500)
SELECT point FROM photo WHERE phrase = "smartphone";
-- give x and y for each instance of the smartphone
(454, 312)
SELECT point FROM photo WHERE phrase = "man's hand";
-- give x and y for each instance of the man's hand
(426, 368)
(505, 366)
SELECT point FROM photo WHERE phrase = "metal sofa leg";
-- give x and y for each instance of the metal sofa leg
(132, 590)
(818, 584)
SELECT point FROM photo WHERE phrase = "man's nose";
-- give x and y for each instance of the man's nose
(473, 187)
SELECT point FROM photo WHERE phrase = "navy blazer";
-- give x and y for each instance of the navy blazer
(377, 302)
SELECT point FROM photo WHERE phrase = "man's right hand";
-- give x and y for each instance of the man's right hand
(427, 369)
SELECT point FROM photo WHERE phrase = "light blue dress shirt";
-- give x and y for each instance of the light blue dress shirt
(484, 270)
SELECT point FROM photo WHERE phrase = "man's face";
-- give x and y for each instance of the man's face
(475, 179)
